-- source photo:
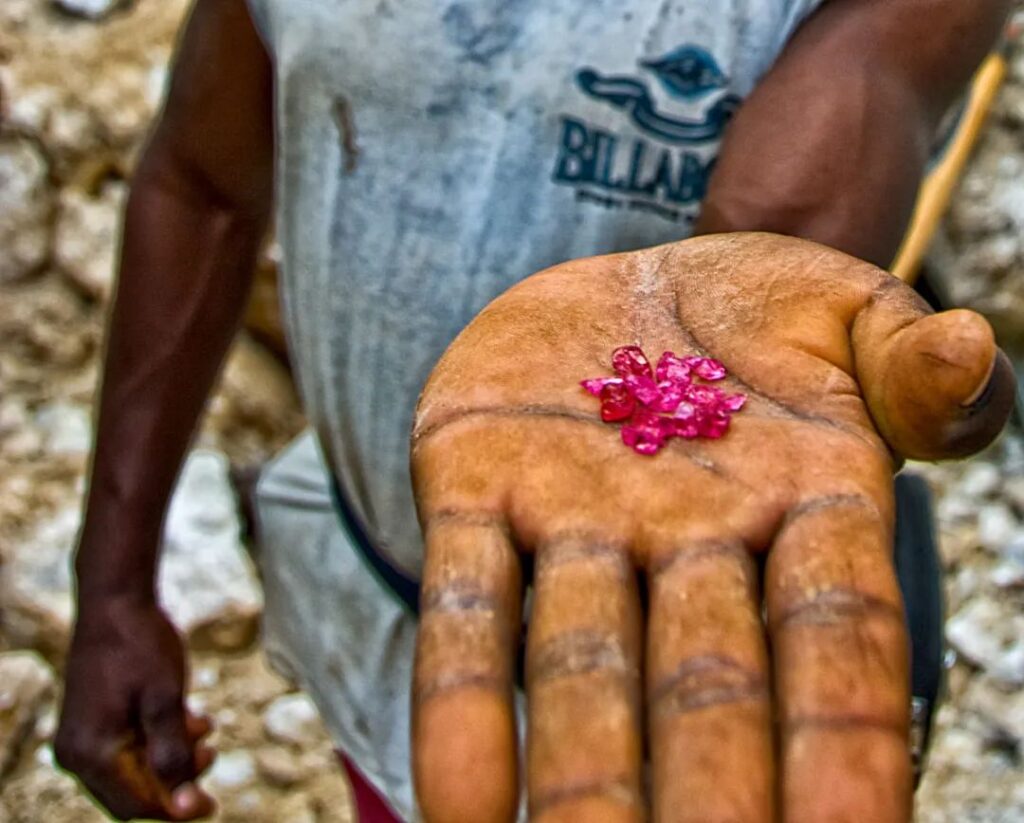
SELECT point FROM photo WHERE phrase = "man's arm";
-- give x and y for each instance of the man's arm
(833, 143)
(198, 210)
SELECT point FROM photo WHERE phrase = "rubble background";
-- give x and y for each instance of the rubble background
(79, 83)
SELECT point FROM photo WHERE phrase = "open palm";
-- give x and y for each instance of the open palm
(725, 610)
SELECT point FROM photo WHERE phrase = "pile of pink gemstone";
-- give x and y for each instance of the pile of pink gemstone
(665, 402)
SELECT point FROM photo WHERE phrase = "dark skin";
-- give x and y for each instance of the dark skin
(831, 146)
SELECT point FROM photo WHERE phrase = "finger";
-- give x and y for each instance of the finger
(197, 726)
(937, 385)
(583, 693)
(133, 788)
(189, 802)
(115, 774)
(464, 737)
(708, 697)
(170, 750)
(841, 664)
(205, 755)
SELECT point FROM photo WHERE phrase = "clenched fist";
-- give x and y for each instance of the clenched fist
(725, 610)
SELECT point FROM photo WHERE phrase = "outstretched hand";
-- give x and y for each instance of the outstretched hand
(725, 610)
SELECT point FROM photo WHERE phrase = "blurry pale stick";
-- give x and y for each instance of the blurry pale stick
(941, 182)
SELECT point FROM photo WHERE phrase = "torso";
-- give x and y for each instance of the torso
(432, 154)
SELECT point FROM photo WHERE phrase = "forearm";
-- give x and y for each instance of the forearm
(849, 181)
(185, 271)
(834, 142)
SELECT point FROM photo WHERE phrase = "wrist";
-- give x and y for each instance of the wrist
(101, 594)
(116, 563)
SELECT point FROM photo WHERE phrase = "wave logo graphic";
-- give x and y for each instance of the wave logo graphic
(686, 73)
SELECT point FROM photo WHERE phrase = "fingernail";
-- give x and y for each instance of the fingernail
(184, 799)
(985, 386)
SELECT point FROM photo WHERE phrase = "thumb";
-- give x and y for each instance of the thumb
(171, 735)
(170, 750)
(936, 385)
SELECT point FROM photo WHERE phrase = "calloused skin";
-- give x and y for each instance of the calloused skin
(847, 372)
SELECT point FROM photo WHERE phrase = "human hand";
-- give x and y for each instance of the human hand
(124, 729)
(646, 639)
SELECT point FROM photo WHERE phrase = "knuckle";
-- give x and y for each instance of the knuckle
(73, 749)
(163, 703)
(172, 759)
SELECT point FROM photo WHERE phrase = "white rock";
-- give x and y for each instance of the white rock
(1006, 197)
(13, 415)
(30, 107)
(26, 686)
(1000, 707)
(974, 216)
(1013, 489)
(280, 767)
(990, 634)
(249, 802)
(45, 756)
(1013, 449)
(207, 581)
(954, 508)
(25, 207)
(89, 9)
(980, 479)
(231, 770)
(46, 723)
(66, 127)
(66, 427)
(1008, 575)
(24, 443)
(1014, 549)
(964, 584)
(206, 677)
(88, 231)
(292, 718)
(196, 703)
(997, 526)
(300, 809)
(35, 583)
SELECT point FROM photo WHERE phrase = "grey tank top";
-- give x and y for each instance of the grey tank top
(431, 154)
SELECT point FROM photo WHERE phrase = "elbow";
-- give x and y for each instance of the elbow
(164, 173)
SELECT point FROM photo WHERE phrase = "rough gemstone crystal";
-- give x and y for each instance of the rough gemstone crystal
(734, 402)
(701, 395)
(617, 403)
(713, 424)
(645, 433)
(687, 429)
(596, 384)
(672, 368)
(665, 402)
(628, 360)
(705, 368)
(671, 395)
(643, 388)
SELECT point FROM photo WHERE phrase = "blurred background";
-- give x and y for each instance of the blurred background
(80, 81)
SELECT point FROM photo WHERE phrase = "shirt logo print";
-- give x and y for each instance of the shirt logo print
(686, 73)
(655, 177)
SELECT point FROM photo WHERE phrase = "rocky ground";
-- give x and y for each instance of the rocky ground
(79, 82)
